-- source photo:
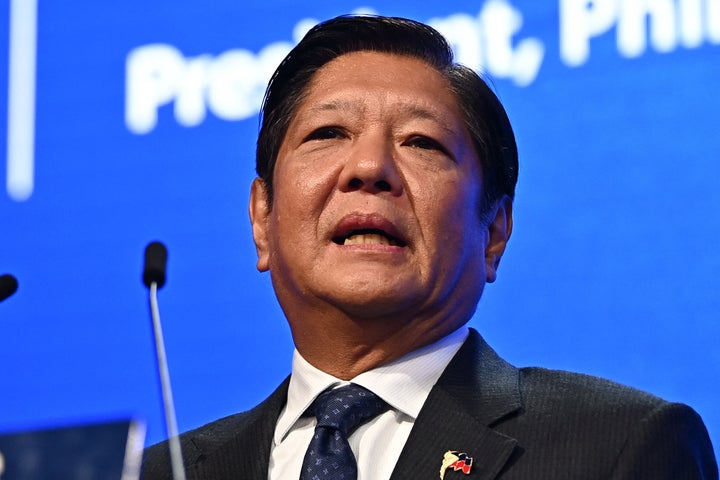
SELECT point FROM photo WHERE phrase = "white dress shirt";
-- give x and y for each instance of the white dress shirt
(404, 384)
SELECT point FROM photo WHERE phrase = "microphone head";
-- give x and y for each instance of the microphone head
(155, 264)
(8, 286)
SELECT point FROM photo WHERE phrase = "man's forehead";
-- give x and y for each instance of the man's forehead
(402, 109)
(405, 86)
(410, 107)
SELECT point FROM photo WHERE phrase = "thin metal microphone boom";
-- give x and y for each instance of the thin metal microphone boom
(154, 278)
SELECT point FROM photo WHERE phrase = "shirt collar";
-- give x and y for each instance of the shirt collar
(404, 383)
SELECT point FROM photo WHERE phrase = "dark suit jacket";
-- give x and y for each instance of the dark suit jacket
(528, 423)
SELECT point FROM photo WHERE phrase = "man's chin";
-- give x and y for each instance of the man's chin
(373, 303)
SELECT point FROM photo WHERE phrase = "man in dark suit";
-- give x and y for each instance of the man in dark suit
(383, 205)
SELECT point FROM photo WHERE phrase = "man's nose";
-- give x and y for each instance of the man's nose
(371, 167)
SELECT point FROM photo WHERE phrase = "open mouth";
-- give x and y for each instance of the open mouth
(368, 236)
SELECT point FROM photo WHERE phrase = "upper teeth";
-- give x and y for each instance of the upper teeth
(361, 238)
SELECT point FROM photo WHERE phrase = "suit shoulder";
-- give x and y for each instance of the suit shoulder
(606, 428)
(222, 429)
(552, 387)
(156, 458)
(200, 442)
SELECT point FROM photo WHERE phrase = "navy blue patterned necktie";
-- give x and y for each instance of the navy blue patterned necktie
(339, 412)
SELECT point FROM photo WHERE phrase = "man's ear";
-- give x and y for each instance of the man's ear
(499, 231)
(259, 212)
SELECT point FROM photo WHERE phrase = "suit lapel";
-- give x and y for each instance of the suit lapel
(243, 452)
(475, 391)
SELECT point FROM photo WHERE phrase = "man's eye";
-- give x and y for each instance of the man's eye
(426, 143)
(325, 133)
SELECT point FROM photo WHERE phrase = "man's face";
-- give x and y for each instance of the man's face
(376, 194)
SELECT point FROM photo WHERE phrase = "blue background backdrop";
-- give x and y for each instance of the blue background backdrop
(612, 269)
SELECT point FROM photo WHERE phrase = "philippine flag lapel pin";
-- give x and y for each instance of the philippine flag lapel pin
(457, 461)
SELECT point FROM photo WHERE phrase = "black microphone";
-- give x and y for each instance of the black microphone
(154, 278)
(155, 264)
(8, 286)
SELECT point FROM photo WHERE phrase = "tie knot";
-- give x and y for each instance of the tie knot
(347, 407)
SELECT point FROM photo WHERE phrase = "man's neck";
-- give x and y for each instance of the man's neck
(355, 346)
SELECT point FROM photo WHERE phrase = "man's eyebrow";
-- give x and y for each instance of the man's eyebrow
(419, 111)
(406, 109)
(338, 104)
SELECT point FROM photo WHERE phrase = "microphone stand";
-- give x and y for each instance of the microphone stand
(154, 278)
(176, 460)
